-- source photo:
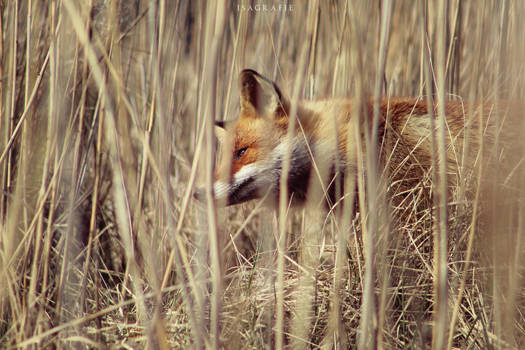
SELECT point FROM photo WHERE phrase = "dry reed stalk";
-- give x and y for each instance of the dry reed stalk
(106, 111)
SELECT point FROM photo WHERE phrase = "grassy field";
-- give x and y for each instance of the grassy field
(106, 129)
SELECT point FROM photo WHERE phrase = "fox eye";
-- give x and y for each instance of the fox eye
(240, 153)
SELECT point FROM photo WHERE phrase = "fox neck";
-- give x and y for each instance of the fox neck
(299, 173)
(325, 138)
(301, 179)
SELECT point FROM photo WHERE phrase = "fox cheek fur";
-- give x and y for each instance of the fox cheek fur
(251, 179)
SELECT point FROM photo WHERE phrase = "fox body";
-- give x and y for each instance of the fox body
(255, 144)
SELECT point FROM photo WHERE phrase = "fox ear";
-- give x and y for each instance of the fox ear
(261, 94)
(220, 131)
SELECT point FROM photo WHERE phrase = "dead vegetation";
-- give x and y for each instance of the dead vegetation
(106, 109)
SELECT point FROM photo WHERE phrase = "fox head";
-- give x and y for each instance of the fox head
(252, 146)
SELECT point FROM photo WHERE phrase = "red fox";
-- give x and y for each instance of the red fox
(254, 145)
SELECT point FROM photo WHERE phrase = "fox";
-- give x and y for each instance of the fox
(254, 146)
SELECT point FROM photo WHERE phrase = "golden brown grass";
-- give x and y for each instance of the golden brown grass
(106, 113)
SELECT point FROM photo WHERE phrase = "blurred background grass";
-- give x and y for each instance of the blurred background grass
(104, 108)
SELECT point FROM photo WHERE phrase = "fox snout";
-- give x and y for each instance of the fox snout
(227, 194)
(200, 195)
(222, 193)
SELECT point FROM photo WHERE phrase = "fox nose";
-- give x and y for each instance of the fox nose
(198, 194)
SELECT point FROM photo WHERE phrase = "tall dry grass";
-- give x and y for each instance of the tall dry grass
(106, 127)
